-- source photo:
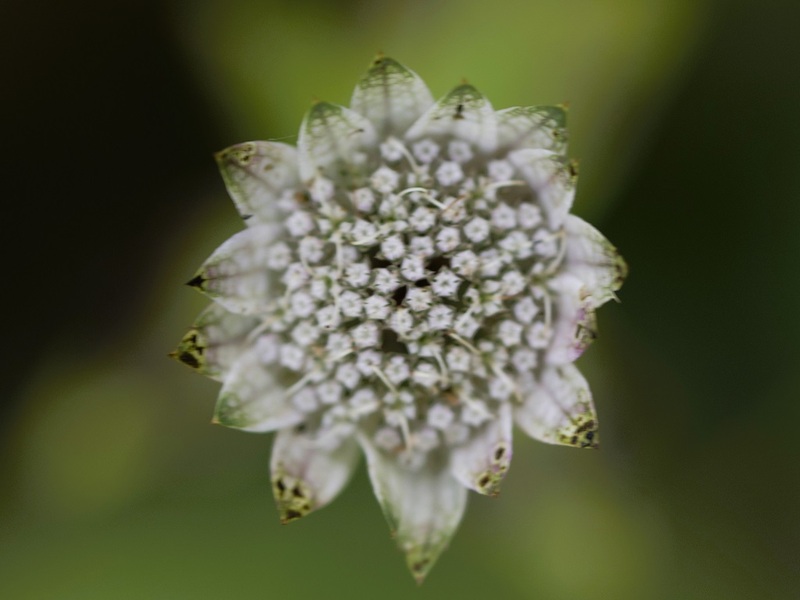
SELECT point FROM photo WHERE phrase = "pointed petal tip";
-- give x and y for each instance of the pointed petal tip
(381, 61)
(197, 281)
(420, 564)
(581, 433)
(292, 497)
(487, 483)
(222, 156)
(464, 113)
(186, 358)
(382, 66)
(391, 96)
(319, 107)
(465, 88)
(240, 154)
(623, 270)
(488, 486)
(190, 351)
(287, 515)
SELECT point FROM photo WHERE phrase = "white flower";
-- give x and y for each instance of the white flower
(449, 173)
(410, 283)
(445, 284)
(393, 248)
(477, 230)
(413, 268)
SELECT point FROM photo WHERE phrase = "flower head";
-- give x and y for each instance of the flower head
(410, 284)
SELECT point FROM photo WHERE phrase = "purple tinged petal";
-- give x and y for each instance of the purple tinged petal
(557, 408)
(594, 260)
(574, 322)
(482, 462)
(552, 177)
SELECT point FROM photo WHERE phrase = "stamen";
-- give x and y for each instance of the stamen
(406, 433)
(454, 202)
(301, 383)
(407, 155)
(464, 343)
(382, 376)
(336, 238)
(442, 367)
(501, 184)
(548, 308)
(366, 240)
(339, 357)
(562, 252)
(466, 315)
(305, 265)
(261, 328)
(510, 382)
(425, 194)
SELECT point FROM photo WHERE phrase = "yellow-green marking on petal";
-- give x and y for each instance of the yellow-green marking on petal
(581, 431)
(293, 497)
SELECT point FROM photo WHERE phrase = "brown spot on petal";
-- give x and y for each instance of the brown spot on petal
(499, 453)
(581, 433)
(291, 515)
(189, 360)
(292, 496)
(190, 351)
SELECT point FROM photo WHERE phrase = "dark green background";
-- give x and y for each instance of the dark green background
(685, 117)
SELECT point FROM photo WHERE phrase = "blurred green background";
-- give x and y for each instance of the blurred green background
(685, 118)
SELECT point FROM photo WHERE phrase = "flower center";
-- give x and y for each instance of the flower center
(415, 299)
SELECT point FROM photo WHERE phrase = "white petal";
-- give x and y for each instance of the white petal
(309, 469)
(253, 400)
(465, 114)
(481, 463)
(215, 341)
(557, 408)
(236, 274)
(574, 323)
(256, 175)
(391, 96)
(423, 507)
(593, 260)
(552, 177)
(333, 142)
(532, 127)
